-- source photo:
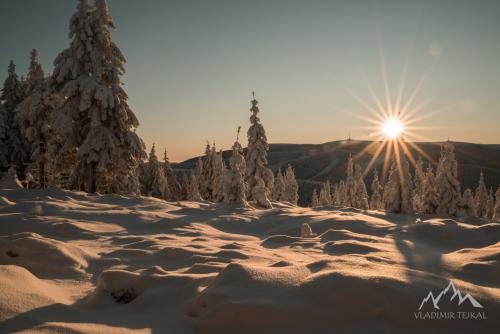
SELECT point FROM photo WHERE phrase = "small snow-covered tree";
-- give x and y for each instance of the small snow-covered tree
(341, 195)
(376, 197)
(466, 206)
(193, 192)
(10, 180)
(219, 169)
(350, 184)
(256, 157)
(325, 197)
(4, 143)
(429, 201)
(392, 190)
(173, 184)
(314, 199)
(418, 194)
(490, 206)
(279, 186)
(481, 197)
(306, 231)
(234, 179)
(206, 177)
(448, 185)
(406, 187)
(260, 194)
(291, 190)
(360, 194)
(155, 183)
(496, 211)
(18, 150)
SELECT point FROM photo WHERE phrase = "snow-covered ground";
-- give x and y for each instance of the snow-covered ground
(77, 263)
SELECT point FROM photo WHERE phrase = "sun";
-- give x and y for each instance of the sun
(392, 128)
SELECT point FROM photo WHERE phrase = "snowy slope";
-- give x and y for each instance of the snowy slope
(77, 263)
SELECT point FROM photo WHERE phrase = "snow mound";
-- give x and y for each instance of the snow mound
(348, 247)
(43, 256)
(22, 292)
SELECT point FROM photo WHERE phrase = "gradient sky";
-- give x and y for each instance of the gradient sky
(193, 64)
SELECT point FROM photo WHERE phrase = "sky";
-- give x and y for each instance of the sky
(192, 65)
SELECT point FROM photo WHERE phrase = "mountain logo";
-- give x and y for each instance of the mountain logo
(456, 295)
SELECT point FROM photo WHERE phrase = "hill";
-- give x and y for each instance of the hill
(316, 163)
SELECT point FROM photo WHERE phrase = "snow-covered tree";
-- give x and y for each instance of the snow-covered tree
(256, 157)
(18, 150)
(35, 114)
(95, 122)
(496, 211)
(392, 190)
(155, 183)
(314, 199)
(4, 140)
(325, 197)
(481, 197)
(10, 180)
(291, 190)
(406, 187)
(173, 184)
(466, 206)
(341, 195)
(360, 193)
(350, 184)
(335, 195)
(279, 186)
(219, 169)
(234, 179)
(193, 192)
(448, 185)
(376, 197)
(206, 177)
(418, 189)
(429, 202)
(490, 206)
(260, 194)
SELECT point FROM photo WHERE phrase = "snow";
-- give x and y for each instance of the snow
(72, 262)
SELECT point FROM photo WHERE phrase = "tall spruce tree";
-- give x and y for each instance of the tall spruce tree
(291, 190)
(256, 157)
(234, 179)
(279, 186)
(376, 197)
(155, 183)
(18, 150)
(95, 123)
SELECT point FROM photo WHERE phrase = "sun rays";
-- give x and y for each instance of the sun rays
(393, 121)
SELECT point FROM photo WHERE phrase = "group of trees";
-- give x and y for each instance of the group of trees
(425, 192)
(74, 128)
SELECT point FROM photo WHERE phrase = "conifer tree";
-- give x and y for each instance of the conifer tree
(193, 193)
(325, 197)
(172, 182)
(17, 147)
(392, 190)
(448, 185)
(155, 181)
(490, 206)
(206, 176)
(35, 113)
(376, 188)
(260, 194)
(496, 211)
(234, 179)
(429, 202)
(466, 205)
(4, 143)
(350, 184)
(314, 199)
(279, 186)
(96, 122)
(360, 193)
(256, 157)
(481, 197)
(406, 186)
(418, 194)
(291, 190)
(341, 195)
(219, 168)
(335, 195)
